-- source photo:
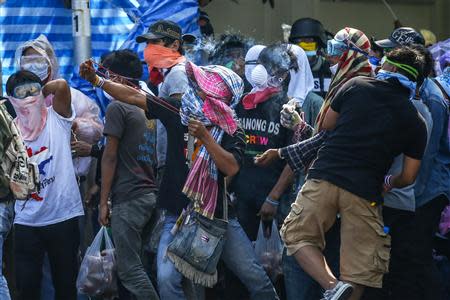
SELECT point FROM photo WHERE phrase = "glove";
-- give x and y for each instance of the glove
(290, 118)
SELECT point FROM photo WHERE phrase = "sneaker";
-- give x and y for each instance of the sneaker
(341, 291)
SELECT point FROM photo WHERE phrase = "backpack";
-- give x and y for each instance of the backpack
(17, 174)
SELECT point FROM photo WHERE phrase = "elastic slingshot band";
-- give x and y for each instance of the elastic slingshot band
(407, 68)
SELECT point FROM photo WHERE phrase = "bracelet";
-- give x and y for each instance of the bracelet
(102, 82)
(271, 201)
(388, 181)
(279, 154)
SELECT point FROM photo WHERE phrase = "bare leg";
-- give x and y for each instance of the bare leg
(313, 262)
(358, 291)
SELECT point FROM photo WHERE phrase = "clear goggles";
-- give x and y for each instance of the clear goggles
(26, 90)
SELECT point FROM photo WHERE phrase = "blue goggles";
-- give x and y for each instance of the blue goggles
(338, 48)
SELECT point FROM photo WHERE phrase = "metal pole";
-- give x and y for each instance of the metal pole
(81, 30)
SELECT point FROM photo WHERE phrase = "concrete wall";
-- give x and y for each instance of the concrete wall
(253, 18)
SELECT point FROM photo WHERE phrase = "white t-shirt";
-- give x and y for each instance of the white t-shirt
(59, 198)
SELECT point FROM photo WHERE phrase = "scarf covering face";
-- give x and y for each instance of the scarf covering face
(161, 57)
(410, 85)
(31, 115)
(302, 80)
(223, 89)
(351, 64)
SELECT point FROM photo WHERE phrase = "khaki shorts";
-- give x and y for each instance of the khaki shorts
(365, 248)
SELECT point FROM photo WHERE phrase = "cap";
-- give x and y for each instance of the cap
(189, 38)
(402, 36)
(161, 29)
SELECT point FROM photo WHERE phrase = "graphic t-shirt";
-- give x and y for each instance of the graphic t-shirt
(170, 196)
(263, 131)
(376, 123)
(136, 153)
(59, 198)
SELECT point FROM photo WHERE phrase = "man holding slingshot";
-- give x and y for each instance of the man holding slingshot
(212, 93)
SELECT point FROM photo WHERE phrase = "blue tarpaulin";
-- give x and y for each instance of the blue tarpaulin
(114, 25)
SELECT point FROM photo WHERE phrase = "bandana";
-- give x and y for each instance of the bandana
(31, 115)
(161, 57)
(351, 64)
(302, 80)
(251, 100)
(223, 89)
(411, 86)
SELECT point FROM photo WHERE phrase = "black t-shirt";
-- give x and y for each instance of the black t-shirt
(170, 195)
(263, 131)
(376, 123)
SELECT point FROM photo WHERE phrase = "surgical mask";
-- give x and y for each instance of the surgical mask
(311, 53)
(375, 61)
(249, 67)
(35, 64)
(334, 68)
(259, 77)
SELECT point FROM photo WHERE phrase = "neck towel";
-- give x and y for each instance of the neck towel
(302, 80)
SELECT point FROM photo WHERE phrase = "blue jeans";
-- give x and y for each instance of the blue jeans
(238, 255)
(298, 284)
(6, 220)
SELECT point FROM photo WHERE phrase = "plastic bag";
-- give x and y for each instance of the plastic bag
(98, 270)
(269, 249)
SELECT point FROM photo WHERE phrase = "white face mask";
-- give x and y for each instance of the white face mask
(334, 69)
(259, 77)
(35, 64)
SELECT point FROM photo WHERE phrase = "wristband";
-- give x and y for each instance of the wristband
(102, 82)
(271, 201)
(388, 181)
(279, 154)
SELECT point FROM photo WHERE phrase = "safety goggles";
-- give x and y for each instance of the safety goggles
(338, 48)
(26, 90)
(374, 61)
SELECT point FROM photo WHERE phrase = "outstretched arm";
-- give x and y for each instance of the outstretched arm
(118, 91)
(62, 99)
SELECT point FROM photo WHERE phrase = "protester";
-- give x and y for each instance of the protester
(16, 181)
(38, 56)
(127, 177)
(349, 50)
(258, 113)
(432, 190)
(48, 221)
(230, 52)
(399, 216)
(164, 57)
(311, 36)
(205, 25)
(348, 178)
(227, 156)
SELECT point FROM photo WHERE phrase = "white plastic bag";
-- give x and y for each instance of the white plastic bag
(98, 274)
(269, 249)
